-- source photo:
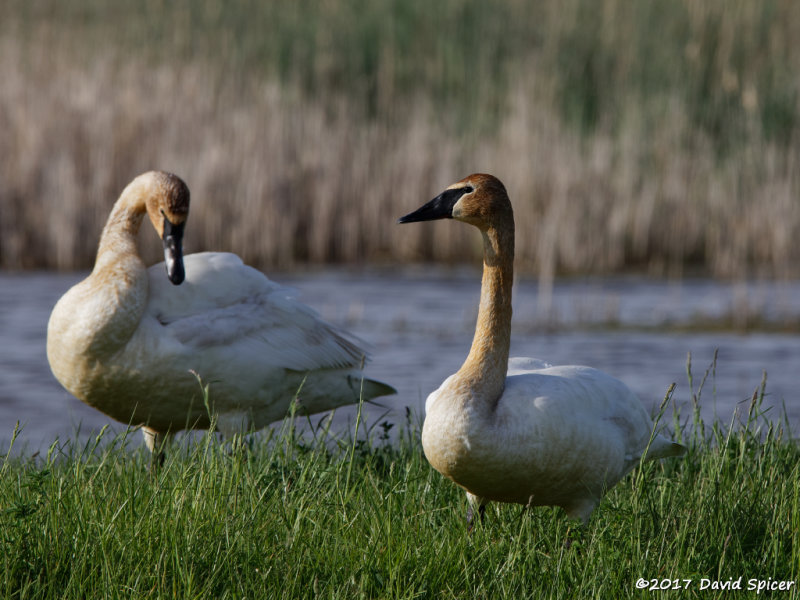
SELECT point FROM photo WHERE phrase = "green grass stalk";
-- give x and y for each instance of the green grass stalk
(91, 521)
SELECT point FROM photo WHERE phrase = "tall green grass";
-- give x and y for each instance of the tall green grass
(661, 136)
(316, 515)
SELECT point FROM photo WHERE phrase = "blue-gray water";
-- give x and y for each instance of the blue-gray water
(420, 323)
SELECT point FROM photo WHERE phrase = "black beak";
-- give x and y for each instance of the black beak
(173, 251)
(440, 207)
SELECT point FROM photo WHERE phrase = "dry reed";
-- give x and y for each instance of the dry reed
(282, 174)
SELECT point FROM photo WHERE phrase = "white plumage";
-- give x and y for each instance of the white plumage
(225, 308)
(558, 436)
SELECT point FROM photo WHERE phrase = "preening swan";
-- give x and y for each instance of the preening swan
(520, 430)
(124, 340)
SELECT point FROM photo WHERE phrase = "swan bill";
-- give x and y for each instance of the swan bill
(173, 251)
(440, 207)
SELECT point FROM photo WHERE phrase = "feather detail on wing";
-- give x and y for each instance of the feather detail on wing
(225, 303)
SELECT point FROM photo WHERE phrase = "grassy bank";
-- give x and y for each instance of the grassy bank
(661, 137)
(305, 518)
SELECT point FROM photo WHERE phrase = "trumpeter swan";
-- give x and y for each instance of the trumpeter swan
(520, 430)
(125, 340)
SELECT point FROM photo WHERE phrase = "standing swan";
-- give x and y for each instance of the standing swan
(525, 432)
(125, 341)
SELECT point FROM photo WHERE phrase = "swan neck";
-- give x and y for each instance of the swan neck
(487, 363)
(119, 278)
(120, 232)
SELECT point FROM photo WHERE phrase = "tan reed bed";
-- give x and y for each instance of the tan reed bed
(285, 172)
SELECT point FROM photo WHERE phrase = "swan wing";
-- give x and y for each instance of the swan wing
(580, 406)
(603, 399)
(224, 304)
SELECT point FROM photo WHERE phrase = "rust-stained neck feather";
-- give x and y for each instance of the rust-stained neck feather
(119, 234)
(485, 368)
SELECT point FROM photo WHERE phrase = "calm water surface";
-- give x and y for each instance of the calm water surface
(420, 325)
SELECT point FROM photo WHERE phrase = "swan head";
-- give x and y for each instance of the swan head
(167, 203)
(479, 199)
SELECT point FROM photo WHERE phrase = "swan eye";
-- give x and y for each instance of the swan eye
(468, 189)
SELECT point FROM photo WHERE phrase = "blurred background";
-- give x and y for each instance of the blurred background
(652, 141)
(660, 136)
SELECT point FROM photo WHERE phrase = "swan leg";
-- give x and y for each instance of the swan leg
(582, 509)
(154, 441)
(234, 426)
(526, 507)
(475, 502)
(579, 509)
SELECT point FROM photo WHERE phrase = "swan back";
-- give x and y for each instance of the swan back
(224, 303)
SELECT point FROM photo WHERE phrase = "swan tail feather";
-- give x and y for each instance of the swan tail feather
(664, 448)
(374, 389)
